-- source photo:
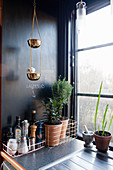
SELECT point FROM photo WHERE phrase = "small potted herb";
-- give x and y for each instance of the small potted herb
(61, 91)
(53, 124)
(102, 137)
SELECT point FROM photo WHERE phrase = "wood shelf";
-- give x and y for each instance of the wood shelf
(11, 161)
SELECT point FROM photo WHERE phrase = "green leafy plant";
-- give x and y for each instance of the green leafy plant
(61, 91)
(53, 111)
(104, 122)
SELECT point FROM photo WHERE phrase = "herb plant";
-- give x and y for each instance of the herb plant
(61, 91)
(104, 122)
(53, 111)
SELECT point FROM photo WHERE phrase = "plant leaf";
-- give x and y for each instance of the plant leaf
(110, 123)
(98, 129)
(98, 104)
(104, 117)
(104, 128)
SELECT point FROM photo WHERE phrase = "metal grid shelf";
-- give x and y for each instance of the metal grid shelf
(70, 135)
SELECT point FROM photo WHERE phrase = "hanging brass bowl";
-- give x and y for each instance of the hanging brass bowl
(33, 76)
(34, 43)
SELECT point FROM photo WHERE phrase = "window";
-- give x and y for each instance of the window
(95, 64)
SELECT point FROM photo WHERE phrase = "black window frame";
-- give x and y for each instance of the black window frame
(74, 59)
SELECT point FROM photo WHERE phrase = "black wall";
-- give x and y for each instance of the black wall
(17, 90)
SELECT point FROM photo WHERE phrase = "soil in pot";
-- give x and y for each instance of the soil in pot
(102, 142)
(52, 134)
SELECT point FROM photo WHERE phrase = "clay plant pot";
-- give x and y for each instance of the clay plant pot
(64, 128)
(102, 142)
(52, 134)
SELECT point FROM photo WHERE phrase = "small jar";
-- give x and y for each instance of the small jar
(31, 142)
(12, 146)
(23, 148)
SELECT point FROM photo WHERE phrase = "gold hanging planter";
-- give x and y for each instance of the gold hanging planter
(33, 76)
(34, 43)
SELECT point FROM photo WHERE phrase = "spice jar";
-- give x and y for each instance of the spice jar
(31, 141)
(12, 146)
(22, 147)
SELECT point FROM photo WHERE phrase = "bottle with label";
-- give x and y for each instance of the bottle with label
(39, 133)
(17, 128)
(9, 133)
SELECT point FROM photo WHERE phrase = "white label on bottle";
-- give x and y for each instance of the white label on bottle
(17, 133)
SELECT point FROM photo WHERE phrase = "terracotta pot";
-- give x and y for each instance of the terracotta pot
(102, 142)
(64, 128)
(52, 134)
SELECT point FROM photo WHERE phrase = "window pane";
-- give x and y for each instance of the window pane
(87, 107)
(95, 66)
(98, 29)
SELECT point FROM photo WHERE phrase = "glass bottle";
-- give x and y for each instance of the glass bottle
(25, 128)
(32, 126)
(33, 117)
(39, 133)
(17, 128)
(9, 133)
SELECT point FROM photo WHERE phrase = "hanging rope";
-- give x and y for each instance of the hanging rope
(35, 16)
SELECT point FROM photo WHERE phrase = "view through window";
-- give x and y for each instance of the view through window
(95, 64)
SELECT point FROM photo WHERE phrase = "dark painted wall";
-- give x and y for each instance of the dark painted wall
(18, 96)
(17, 90)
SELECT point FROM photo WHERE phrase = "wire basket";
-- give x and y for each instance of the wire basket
(36, 146)
(69, 135)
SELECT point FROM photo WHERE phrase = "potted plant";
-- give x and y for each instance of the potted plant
(53, 124)
(61, 91)
(102, 137)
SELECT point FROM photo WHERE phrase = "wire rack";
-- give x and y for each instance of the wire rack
(70, 132)
(69, 136)
(37, 146)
